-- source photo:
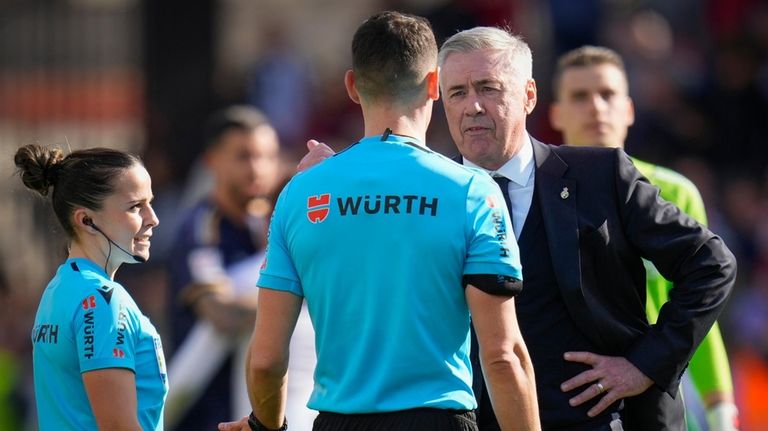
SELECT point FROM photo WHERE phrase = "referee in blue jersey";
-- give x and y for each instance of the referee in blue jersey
(97, 359)
(392, 246)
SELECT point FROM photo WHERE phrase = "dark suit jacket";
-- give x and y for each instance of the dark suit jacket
(610, 218)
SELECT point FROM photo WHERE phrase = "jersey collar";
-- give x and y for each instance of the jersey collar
(393, 138)
(83, 263)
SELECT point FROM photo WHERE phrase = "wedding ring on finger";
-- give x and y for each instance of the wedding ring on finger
(600, 388)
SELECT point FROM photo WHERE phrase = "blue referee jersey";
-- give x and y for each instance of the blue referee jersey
(85, 322)
(378, 239)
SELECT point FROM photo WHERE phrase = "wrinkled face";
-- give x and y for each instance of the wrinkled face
(245, 164)
(486, 104)
(127, 217)
(592, 107)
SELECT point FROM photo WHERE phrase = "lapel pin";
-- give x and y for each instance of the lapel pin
(564, 194)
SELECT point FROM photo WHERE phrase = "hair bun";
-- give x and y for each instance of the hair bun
(51, 171)
(39, 167)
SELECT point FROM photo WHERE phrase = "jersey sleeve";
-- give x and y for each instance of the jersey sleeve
(692, 203)
(492, 247)
(278, 271)
(104, 333)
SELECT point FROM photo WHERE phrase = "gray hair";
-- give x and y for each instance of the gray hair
(518, 52)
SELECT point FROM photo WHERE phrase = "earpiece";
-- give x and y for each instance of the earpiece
(88, 222)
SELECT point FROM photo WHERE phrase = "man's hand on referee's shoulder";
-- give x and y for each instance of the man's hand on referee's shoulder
(241, 425)
(318, 152)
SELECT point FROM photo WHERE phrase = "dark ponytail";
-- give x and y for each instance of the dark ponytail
(39, 167)
(81, 179)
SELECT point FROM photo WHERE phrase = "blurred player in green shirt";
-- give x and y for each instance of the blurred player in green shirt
(592, 107)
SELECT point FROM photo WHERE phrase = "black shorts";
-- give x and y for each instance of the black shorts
(422, 419)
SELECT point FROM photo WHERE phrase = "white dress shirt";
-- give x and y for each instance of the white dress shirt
(519, 170)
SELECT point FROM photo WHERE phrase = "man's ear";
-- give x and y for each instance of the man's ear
(209, 158)
(631, 111)
(530, 96)
(349, 82)
(555, 116)
(433, 84)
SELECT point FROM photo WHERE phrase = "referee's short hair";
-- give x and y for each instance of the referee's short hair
(391, 53)
(242, 118)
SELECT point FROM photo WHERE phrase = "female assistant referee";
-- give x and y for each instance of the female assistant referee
(98, 361)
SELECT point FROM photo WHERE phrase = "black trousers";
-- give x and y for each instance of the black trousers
(654, 410)
(422, 419)
(615, 424)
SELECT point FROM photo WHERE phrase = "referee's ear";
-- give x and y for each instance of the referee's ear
(349, 82)
(433, 84)
(82, 220)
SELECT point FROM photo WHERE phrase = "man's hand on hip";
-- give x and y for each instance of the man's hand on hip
(612, 378)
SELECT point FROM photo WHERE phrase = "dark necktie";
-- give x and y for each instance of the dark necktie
(503, 183)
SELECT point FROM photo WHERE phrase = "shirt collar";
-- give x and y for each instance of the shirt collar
(402, 139)
(84, 263)
(518, 169)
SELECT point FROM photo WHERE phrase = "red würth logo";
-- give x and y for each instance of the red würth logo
(318, 207)
(89, 302)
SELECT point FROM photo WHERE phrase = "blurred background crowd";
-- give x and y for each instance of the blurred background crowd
(144, 75)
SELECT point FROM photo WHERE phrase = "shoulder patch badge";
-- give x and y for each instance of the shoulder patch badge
(318, 207)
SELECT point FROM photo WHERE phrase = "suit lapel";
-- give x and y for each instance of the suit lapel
(557, 199)
(558, 214)
(559, 217)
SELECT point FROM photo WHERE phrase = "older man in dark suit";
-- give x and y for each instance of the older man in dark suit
(584, 218)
